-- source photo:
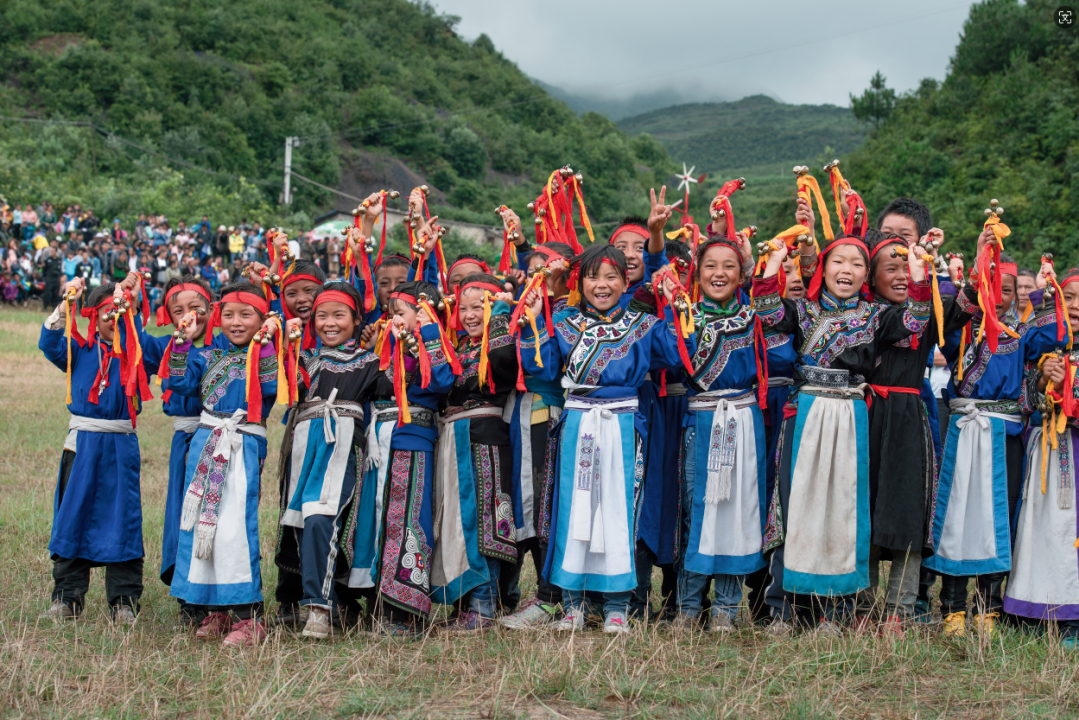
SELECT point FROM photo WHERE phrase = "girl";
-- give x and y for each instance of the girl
(97, 514)
(819, 518)
(1044, 581)
(217, 558)
(608, 352)
(327, 445)
(189, 295)
(477, 535)
(391, 527)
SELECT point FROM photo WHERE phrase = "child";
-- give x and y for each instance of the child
(819, 519)
(902, 468)
(535, 416)
(982, 471)
(392, 523)
(97, 513)
(477, 534)
(328, 445)
(1044, 581)
(608, 352)
(183, 296)
(217, 558)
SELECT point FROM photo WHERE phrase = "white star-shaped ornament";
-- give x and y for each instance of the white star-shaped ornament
(686, 177)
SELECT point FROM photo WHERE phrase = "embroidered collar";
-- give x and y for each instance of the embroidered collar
(346, 346)
(828, 301)
(592, 314)
(731, 307)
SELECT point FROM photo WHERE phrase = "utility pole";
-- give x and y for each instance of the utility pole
(286, 196)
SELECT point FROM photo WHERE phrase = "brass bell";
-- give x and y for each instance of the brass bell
(393, 194)
(522, 321)
(1000, 210)
(178, 335)
(988, 212)
(264, 340)
(715, 216)
(441, 305)
(721, 212)
(498, 211)
(116, 301)
(200, 311)
(423, 189)
(579, 178)
(829, 166)
(539, 221)
(275, 278)
(648, 287)
(422, 297)
(294, 334)
(752, 230)
(1047, 256)
(763, 247)
(531, 207)
(994, 202)
(356, 212)
(803, 239)
(543, 212)
(515, 235)
(441, 231)
(801, 170)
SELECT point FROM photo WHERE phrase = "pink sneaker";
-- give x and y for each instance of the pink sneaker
(214, 625)
(246, 633)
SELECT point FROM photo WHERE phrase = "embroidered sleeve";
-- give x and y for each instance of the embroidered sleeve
(432, 341)
(498, 334)
(1029, 395)
(178, 359)
(766, 300)
(968, 300)
(268, 368)
(919, 307)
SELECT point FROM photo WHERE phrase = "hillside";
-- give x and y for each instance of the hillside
(219, 85)
(1004, 123)
(753, 131)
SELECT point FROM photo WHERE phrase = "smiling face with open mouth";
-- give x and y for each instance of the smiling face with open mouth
(1070, 295)
(335, 323)
(240, 322)
(720, 273)
(632, 246)
(299, 296)
(845, 270)
(795, 288)
(604, 288)
(471, 312)
(890, 277)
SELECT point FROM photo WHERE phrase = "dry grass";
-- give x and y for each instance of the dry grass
(90, 669)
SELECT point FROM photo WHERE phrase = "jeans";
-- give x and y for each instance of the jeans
(902, 583)
(483, 599)
(71, 581)
(509, 580)
(612, 602)
(692, 587)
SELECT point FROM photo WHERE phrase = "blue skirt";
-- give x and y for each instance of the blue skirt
(174, 502)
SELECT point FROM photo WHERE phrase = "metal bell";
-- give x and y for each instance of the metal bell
(988, 212)
(393, 194)
(275, 278)
(200, 311)
(522, 321)
(264, 340)
(531, 207)
(741, 183)
(423, 189)
(752, 230)
(539, 221)
(579, 178)
(515, 235)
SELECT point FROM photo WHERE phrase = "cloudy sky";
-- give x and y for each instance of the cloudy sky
(796, 51)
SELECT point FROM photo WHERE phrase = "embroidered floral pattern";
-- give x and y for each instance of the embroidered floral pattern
(404, 579)
(498, 532)
(601, 342)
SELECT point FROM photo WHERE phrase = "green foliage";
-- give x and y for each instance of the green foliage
(220, 84)
(876, 103)
(1003, 124)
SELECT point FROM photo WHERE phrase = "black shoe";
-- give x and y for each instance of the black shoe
(290, 616)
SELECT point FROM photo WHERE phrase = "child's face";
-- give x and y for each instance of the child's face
(299, 296)
(187, 301)
(403, 315)
(1007, 296)
(901, 227)
(389, 277)
(471, 312)
(335, 323)
(720, 273)
(556, 287)
(240, 322)
(845, 271)
(890, 277)
(1071, 303)
(632, 246)
(795, 288)
(105, 325)
(604, 289)
(460, 272)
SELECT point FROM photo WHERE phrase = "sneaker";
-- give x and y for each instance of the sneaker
(955, 624)
(684, 622)
(985, 623)
(892, 627)
(60, 611)
(123, 615)
(188, 619)
(291, 616)
(922, 612)
(779, 627)
(216, 625)
(827, 628)
(615, 623)
(533, 614)
(246, 633)
(318, 624)
(391, 629)
(470, 622)
(721, 623)
(572, 622)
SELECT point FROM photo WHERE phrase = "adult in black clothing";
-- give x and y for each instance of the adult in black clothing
(52, 270)
(221, 244)
(88, 225)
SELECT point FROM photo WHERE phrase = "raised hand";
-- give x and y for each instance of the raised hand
(660, 212)
(368, 335)
(1044, 274)
(1053, 369)
(428, 233)
(776, 258)
(915, 264)
(78, 284)
(719, 225)
(804, 215)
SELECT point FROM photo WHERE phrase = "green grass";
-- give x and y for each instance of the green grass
(91, 669)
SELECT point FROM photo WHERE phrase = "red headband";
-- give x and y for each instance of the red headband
(493, 289)
(240, 296)
(410, 299)
(635, 229)
(163, 316)
(1069, 280)
(548, 252)
(817, 282)
(881, 246)
(298, 276)
(464, 261)
(1009, 269)
(334, 296)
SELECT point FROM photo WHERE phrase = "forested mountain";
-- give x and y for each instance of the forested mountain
(219, 84)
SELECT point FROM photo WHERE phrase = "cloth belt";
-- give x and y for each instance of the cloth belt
(885, 390)
(378, 441)
(86, 424)
(971, 410)
(187, 424)
(330, 409)
(723, 437)
(599, 444)
(675, 389)
(780, 382)
(232, 427)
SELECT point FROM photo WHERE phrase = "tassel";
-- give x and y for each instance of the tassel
(486, 377)
(282, 367)
(719, 486)
(252, 389)
(807, 190)
(192, 507)
(204, 541)
(400, 386)
(425, 362)
(597, 546)
(383, 346)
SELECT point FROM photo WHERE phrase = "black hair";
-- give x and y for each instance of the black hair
(415, 288)
(244, 286)
(1073, 272)
(1027, 272)
(348, 290)
(305, 267)
(676, 250)
(874, 238)
(630, 220)
(469, 256)
(483, 278)
(394, 260)
(561, 248)
(706, 245)
(189, 280)
(912, 209)
(592, 258)
(98, 294)
(509, 279)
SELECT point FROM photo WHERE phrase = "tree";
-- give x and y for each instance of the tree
(876, 103)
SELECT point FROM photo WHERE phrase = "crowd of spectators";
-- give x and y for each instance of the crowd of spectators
(44, 248)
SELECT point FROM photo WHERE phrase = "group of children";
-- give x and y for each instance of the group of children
(647, 401)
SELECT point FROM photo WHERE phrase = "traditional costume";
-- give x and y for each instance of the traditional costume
(818, 521)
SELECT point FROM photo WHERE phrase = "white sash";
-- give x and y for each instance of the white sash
(80, 422)
(379, 435)
(188, 424)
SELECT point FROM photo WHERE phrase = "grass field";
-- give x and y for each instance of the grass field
(91, 669)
